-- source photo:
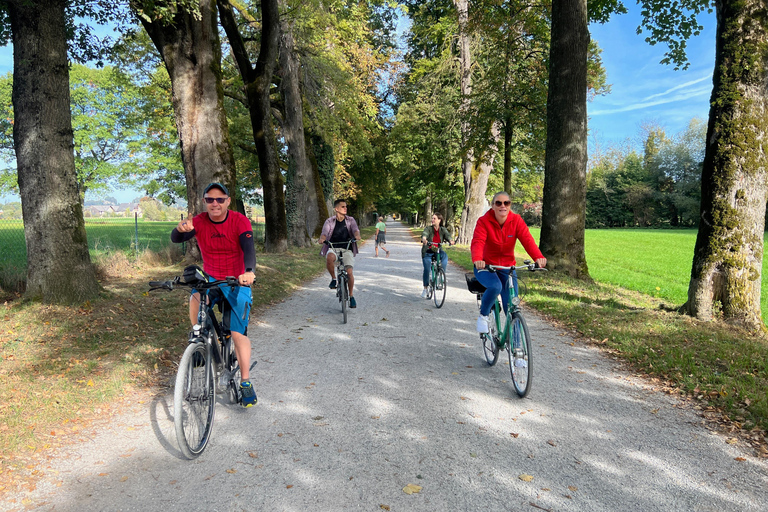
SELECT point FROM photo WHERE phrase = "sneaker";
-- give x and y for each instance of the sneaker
(424, 294)
(249, 395)
(352, 302)
(332, 286)
(482, 324)
(387, 254)
(521, 363)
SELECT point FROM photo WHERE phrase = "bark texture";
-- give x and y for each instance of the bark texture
(59, 266)
(191, 50)
(476, 166)
(727, 261)
(565, 165)
(257, 81)
(300, 200)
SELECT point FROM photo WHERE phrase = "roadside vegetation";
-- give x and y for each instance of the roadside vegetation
(721, 368)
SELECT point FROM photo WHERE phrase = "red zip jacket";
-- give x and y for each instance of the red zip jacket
(495, 244)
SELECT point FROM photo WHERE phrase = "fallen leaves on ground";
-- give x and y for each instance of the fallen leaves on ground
(411, 489)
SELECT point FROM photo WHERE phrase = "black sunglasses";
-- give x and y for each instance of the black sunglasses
(505, 203)
(219, 200)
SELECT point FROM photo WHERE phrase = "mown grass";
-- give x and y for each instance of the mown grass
(725, 368)
(65, 367)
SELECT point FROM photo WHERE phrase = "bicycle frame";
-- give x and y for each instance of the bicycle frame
(512, 309)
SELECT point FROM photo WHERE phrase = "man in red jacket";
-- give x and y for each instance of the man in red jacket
(493, 243)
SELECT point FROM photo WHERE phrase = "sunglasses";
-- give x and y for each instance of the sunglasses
(505, 203)
(340, 206)
(219, 200)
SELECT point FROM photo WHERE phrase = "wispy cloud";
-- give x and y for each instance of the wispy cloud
(676, 94)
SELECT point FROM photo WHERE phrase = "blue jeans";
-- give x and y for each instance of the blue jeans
(495, 283)
(427, 262)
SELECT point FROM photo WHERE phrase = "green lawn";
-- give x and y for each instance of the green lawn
(652, 261)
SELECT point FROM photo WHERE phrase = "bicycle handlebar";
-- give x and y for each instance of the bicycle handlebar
(177, 282)
(527, 264)
(340, 245)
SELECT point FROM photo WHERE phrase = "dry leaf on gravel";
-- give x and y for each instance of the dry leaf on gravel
(411, 489)
(525, 478)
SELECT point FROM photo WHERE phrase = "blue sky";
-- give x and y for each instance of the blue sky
(643, 90)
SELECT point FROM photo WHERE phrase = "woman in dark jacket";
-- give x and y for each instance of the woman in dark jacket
(436, 233)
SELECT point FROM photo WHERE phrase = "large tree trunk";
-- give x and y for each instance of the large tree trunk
(315, 218)
(257, 81)
(300, 202)
(58, 263)
(727, 260)
(191, 51)
(565, 166)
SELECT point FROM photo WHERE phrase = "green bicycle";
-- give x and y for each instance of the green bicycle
(508, 332)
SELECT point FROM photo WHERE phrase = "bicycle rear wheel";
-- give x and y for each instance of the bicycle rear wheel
(440, 288)
(519, 351)
(230, 374)
(194, 398)
(344, 297)
(490, 339)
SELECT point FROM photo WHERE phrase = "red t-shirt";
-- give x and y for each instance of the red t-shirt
(219, 243)
(435, 236)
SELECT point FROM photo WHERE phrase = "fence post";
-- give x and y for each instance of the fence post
(136, 224)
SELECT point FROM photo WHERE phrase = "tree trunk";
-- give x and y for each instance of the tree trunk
(191, 50)
(299, 201)
(257, 81)
(315, 219)
(475, 171)
(508, 133)
(727, 260)
(58, 263)
(565, 166)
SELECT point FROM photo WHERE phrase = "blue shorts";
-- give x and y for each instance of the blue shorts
(237, 308)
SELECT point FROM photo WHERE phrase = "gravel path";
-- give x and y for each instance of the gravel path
(349, 415)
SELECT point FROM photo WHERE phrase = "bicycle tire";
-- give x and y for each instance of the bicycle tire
(520, 363)
(194, 400)
(344, 296)
(490, 339)
(440, 288)
(232, 369)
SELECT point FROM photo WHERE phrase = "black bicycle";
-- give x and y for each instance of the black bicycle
(209, 355)
(342, 278)
(436, 287)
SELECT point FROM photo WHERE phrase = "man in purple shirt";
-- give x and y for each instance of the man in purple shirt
(340, 228)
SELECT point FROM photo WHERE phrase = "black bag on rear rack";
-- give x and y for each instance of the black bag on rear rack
(473, 284)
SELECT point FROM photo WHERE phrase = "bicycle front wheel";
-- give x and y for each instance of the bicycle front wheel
(344, 296)
(491, 339)
(519, 351)
(194, 398)
(440, 288)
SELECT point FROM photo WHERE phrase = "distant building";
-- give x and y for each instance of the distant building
(100, 210)
(128, 209)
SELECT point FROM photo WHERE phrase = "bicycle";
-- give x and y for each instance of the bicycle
(342, 278)
(437, 287)
(209, 356)
(512, 335)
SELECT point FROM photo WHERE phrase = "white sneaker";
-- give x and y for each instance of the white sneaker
(521, 363)
(482, 324)
(424, 294)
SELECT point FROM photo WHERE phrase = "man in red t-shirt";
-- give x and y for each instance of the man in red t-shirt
(225, 239)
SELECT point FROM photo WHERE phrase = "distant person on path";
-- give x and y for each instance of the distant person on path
(381, 230)
(340, 228)
(437, 234)
(225, 239)
(493, 243)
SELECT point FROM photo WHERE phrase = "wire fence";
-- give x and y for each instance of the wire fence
(106, 235)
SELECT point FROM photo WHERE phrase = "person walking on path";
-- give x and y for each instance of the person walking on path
(437, 234)
(381, 230)
(341, 228)
(225, 239)
(493, 243)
